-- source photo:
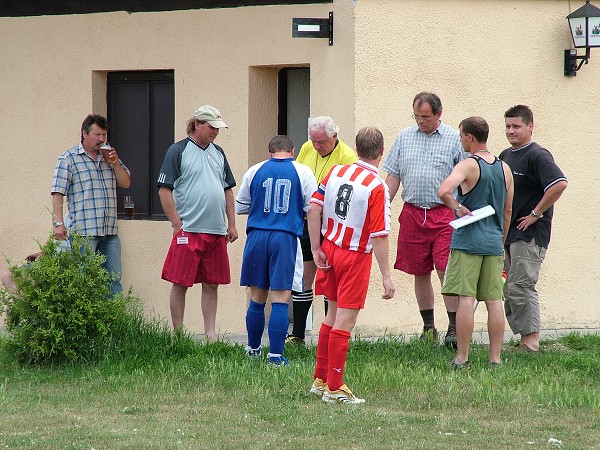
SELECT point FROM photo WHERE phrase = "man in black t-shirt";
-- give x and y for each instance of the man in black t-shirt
(538, 184)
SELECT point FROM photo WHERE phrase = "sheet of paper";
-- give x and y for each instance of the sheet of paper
(478, 214)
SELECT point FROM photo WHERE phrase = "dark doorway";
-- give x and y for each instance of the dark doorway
(294, 104)
(141, 114)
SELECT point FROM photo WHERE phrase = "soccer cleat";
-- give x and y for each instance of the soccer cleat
(450, 339)
(277, 360)
(291, 339)
(342, 395)
(252, 352)
(318, 387)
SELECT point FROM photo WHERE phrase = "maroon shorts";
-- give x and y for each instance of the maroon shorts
(347, 281)
(423, 239)
(197, 258)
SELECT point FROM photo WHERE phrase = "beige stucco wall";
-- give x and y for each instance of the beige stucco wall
(479, 56)
(51, 66)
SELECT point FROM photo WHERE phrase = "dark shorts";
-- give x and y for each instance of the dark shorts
(305, 243)
(197, 258)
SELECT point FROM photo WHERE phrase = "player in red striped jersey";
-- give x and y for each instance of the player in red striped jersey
(355, 205)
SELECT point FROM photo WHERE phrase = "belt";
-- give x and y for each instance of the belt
(432, 206)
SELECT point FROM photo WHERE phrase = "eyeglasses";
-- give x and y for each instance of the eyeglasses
(421, 118)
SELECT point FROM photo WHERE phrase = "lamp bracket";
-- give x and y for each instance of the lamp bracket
(571, 57)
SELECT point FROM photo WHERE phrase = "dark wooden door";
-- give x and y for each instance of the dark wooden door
(141, 114)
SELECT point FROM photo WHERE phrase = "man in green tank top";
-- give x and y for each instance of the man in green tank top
(474, 269)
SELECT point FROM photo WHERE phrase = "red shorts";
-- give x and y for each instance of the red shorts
(423, 239)
(197, 258)
(347, 281)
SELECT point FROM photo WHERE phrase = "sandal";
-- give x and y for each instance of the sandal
(459, 366)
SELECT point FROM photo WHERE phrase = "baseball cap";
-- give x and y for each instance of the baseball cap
(210, 114)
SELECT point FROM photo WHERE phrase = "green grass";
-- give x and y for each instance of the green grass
(154, 389)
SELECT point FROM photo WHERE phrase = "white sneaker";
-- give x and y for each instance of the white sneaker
(318, 387)
(252, 353)
(276, 360)
(342, 395)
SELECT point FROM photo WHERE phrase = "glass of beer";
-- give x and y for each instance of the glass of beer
(129, 207)
(104, 149)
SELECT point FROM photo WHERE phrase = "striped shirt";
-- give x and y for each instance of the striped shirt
(91, 190)
(423, 162)
(356, 206)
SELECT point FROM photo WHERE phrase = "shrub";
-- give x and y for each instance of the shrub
(63, 310)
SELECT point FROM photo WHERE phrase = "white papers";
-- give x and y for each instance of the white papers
(478, 214)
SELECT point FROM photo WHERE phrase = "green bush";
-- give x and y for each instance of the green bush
(63, 310)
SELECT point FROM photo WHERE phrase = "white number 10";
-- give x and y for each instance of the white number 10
(281, 193)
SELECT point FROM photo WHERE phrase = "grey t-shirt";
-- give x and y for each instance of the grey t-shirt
(198, 178)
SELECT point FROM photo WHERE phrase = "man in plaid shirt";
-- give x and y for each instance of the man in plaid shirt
(421, 158)
(90, 183)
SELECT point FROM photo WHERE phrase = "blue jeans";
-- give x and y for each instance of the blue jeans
(110, 246)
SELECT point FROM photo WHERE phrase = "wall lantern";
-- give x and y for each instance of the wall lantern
(313, 28)
(585, 30)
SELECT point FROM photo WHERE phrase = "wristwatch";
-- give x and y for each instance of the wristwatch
(457, 208)
(536, 215)
(57, 224)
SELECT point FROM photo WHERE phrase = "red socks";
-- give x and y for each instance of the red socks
(338, 350)
(322, 353)
(332, 349)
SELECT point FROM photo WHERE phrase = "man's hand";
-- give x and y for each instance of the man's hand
(463, 211)
(232, 234)
(113, 157)
(526, 222)
(60, 233)
(388, 288)
(321, 259)
(177, 226)
(33, 256)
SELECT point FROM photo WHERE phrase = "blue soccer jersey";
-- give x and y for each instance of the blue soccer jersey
(276, 193)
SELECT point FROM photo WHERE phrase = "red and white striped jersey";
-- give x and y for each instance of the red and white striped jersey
(356, 206)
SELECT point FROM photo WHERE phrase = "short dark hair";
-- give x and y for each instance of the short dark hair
(369, 142)
(476, 127)
(281, 143)
(428, 97)
(522, 111)
(93, 119)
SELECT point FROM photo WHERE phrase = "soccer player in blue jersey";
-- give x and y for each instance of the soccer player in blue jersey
(275, 194)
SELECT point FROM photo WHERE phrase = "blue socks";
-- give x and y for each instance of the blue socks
(255, 323)
(278, 326)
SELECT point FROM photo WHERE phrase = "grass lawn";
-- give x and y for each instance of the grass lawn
(169, 392)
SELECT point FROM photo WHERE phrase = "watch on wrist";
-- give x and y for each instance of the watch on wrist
(457, 208)
(57, 224)
(536, 215)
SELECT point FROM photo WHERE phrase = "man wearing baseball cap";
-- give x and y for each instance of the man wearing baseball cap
(195, 183)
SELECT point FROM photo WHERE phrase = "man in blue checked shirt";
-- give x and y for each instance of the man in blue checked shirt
(421, 158)
(90, 180)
